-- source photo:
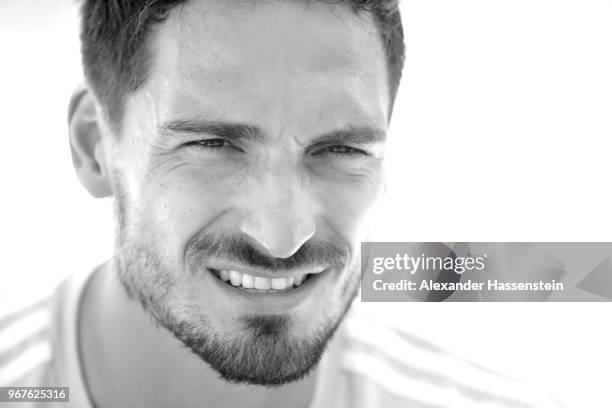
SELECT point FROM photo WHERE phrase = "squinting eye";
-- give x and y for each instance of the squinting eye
(344, 150)
(209, 143)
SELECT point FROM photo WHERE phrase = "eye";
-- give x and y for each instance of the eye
(209, 143)
(342, 150)
(212, 144)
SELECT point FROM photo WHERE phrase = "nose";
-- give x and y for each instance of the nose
(279, 215)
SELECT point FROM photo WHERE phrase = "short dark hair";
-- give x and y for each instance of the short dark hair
(115, 56)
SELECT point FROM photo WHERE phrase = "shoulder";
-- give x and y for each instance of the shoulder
(25, 344)
(36, 339)
(387, 366)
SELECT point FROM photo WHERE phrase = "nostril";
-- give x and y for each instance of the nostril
(278, 233)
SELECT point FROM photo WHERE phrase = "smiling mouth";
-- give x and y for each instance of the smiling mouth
(257, 284)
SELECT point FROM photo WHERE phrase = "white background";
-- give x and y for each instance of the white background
(501, 133)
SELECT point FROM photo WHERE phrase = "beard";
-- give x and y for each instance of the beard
(264, 350)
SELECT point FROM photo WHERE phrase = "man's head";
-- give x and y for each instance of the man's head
(243, 142)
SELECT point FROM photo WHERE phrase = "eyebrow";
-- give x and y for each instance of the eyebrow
(226, 130)
(359, 135)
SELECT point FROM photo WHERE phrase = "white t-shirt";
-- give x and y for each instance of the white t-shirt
(367, 364)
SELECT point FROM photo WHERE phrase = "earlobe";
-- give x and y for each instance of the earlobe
(88, 155)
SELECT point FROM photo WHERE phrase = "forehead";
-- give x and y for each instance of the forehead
(272, 60)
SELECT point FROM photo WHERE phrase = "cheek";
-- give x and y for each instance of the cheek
(346, 206)
(176, 209)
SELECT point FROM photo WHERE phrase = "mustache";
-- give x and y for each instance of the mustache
(243, 249)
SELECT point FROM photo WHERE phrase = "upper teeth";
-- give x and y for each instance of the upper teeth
(249, 281)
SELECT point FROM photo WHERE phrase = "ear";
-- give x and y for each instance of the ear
(88, 156)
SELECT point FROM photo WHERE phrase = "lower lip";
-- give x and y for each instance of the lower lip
(272, 302)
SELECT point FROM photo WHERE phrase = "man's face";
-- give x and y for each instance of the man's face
(247, 164)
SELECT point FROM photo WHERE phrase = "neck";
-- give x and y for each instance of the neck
(129, 361)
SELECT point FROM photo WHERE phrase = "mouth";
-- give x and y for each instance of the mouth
(258, 284)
